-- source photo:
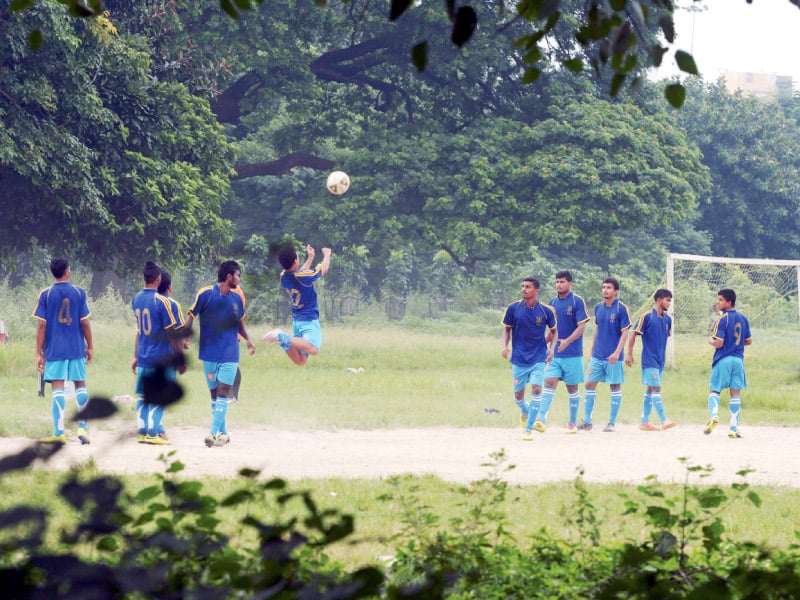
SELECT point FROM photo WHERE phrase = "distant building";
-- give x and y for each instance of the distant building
(760, 85)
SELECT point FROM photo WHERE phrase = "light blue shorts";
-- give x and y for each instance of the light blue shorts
(310, 331)
(65, 370)
(144, 372)
(652, 377)
(217, 372)
(529, 374)
(569, 369)
(602, 371)
(728, 373)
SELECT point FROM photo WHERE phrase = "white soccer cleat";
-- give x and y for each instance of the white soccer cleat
(272, 337)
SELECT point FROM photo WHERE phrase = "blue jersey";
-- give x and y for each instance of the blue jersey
(529, 325)
(176, 312)
(733, 329)
(611, 321)
(219, 316)
(154, 317)
(303, 297)
(62, 307)
(655, 330)
(570, 312)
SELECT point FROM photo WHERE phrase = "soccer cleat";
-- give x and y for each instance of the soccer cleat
(527, 436)
(734, 434)
(156, 440)
(610, 428)
(539, 426)
(523, 419)
(83, 436)
(54, 439)
(140, 438)
(668, 425)
(272, 337)
(233, 400)
(221, 439)
(209, 441)
(648, 426)
(584, 426)
(571, 428)
(712, 422)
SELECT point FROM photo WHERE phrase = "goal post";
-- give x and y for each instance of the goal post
(768, 291)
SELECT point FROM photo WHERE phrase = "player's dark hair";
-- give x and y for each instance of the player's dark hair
(229, 267)
(166, 281)
(612, 281)
(59, 266)
(662, 293)
(286, 256)
(728, 294)
(151, 272)
(564, 275)
(533, 280)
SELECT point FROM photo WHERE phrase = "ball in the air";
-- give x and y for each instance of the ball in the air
(338, 183)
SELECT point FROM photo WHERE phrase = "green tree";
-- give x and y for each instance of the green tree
(752, 151)
(99, 159)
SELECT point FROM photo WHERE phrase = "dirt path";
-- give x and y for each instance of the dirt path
(454, 454)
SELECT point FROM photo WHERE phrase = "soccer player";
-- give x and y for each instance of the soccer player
(64, 345)
(567, 363)
(654, 327)
(298, 281)
(526, 323)
(156, 345)
(153, 351)
(729, 335)
(221, 314)
(612, 321)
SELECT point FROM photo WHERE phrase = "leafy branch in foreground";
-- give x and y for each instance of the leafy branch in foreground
(166, 541)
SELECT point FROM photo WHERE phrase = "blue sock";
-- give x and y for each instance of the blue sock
(713, 404)
(547, 400)
(574, 404)
(588, 404)
(616, 402)
(735, 407)
(58, 411)
(218, 421)
(82, 399)
(523, 406)
(534, 406)
(141, 416)
(658, 402)
(155, 414)
(285, 341)
(647, 407)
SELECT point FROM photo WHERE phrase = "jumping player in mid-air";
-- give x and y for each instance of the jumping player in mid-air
(298, 281)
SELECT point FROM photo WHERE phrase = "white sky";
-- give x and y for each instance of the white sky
(732, 35)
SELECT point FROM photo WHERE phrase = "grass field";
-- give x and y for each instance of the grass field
(410, 378)
(426, 374)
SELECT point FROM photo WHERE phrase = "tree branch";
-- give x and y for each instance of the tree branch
(283, 165)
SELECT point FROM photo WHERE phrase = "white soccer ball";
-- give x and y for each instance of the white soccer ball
(338, 183)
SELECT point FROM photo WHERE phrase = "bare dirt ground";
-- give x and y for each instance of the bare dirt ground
(453, 454)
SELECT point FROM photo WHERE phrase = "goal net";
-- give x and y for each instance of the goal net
(766, 292)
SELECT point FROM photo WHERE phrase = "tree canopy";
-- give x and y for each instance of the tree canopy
(174, 131)
(100, 160)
